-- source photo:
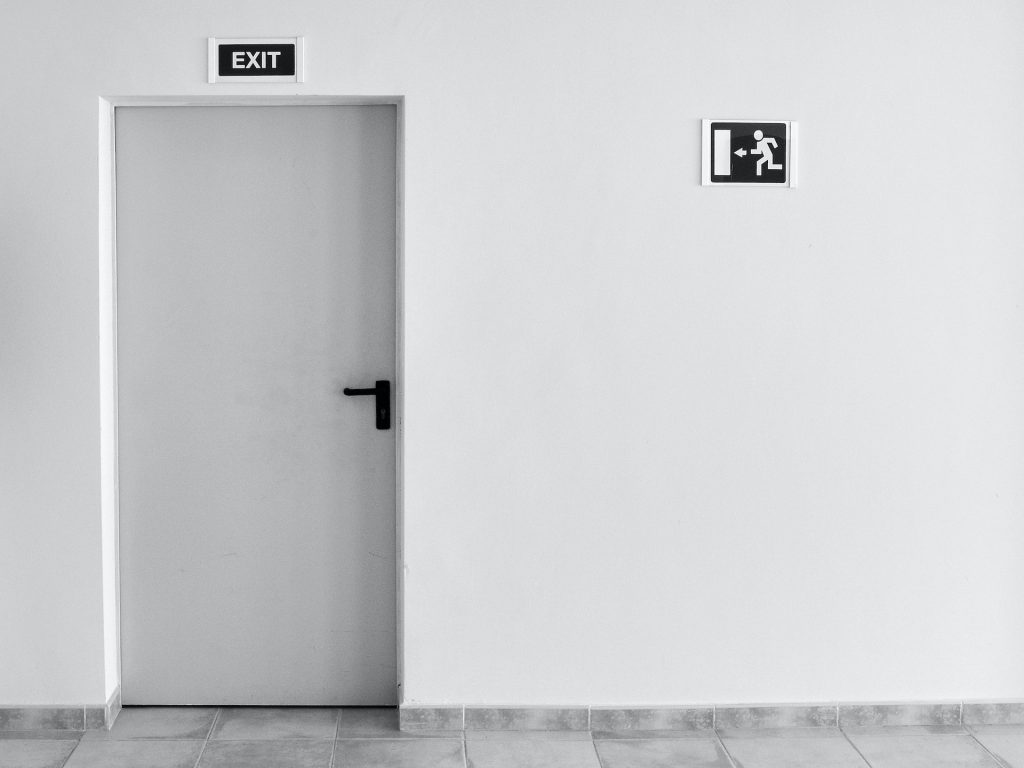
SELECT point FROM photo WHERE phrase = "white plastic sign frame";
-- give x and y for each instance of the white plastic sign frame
(212, 53)
(791, 155)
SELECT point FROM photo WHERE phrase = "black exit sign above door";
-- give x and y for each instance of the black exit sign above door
(255, 60)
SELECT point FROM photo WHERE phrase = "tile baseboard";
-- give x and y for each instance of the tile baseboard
(455, 717)
(43, 718)
(527, 718)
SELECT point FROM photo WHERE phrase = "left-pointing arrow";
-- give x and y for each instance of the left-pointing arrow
(740, 152)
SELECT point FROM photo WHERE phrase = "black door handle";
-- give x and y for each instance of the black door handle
(383, 394)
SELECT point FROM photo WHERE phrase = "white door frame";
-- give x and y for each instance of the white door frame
(108, 347)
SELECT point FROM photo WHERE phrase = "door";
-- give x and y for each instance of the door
(256, 262)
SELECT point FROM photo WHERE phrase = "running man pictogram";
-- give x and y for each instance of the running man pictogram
(764, 148)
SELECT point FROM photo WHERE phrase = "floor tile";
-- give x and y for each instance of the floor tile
(399, 753)
(999, 730)
(531, 753)
(922, 751)
(822, 750)
(382, 723)
(663, 753)
(157, 723)
(270, 723)
(286, 753)
(34, 753)
(135, 754)
(1004, 741)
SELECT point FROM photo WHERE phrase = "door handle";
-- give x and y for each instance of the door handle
(383, 394)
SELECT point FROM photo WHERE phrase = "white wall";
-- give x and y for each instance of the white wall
(664, 443)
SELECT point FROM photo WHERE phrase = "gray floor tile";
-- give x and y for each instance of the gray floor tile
(922, 751)
(286, 753)
(998, 730)
(829, 750)
(382, 723)
(35, 753)
(1004, 741)
(399, 753)
(270, 723)
(531, 753)
(157, 723)
(135, 754)
(46, 735)
(663, 753)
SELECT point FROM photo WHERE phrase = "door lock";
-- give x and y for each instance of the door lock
(383, 394)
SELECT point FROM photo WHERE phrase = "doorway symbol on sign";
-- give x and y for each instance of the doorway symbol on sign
(764, 148)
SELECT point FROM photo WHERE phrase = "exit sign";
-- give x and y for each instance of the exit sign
(749, 153)
(255, 60)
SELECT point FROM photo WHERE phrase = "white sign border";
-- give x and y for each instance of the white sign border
(791, 155)
(211, 60)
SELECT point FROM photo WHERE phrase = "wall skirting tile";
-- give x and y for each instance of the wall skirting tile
(527, 718)
(652, 718)
(993, 713)
(862, 715)
(776, 716)
(415, 717)
(476, 717)
(42, 718)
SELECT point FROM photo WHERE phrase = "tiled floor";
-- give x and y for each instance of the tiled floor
(243, 737)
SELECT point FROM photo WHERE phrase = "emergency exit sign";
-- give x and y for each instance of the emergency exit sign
(255, 60)
(749, 153)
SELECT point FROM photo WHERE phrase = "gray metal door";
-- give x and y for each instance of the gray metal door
(256, 280)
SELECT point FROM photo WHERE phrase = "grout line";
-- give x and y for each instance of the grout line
(593, 743)
(66, 759)
(209, 733)
(725, 749)
(337, 733)
(999, 761)
(855, 747)
(213, 723)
